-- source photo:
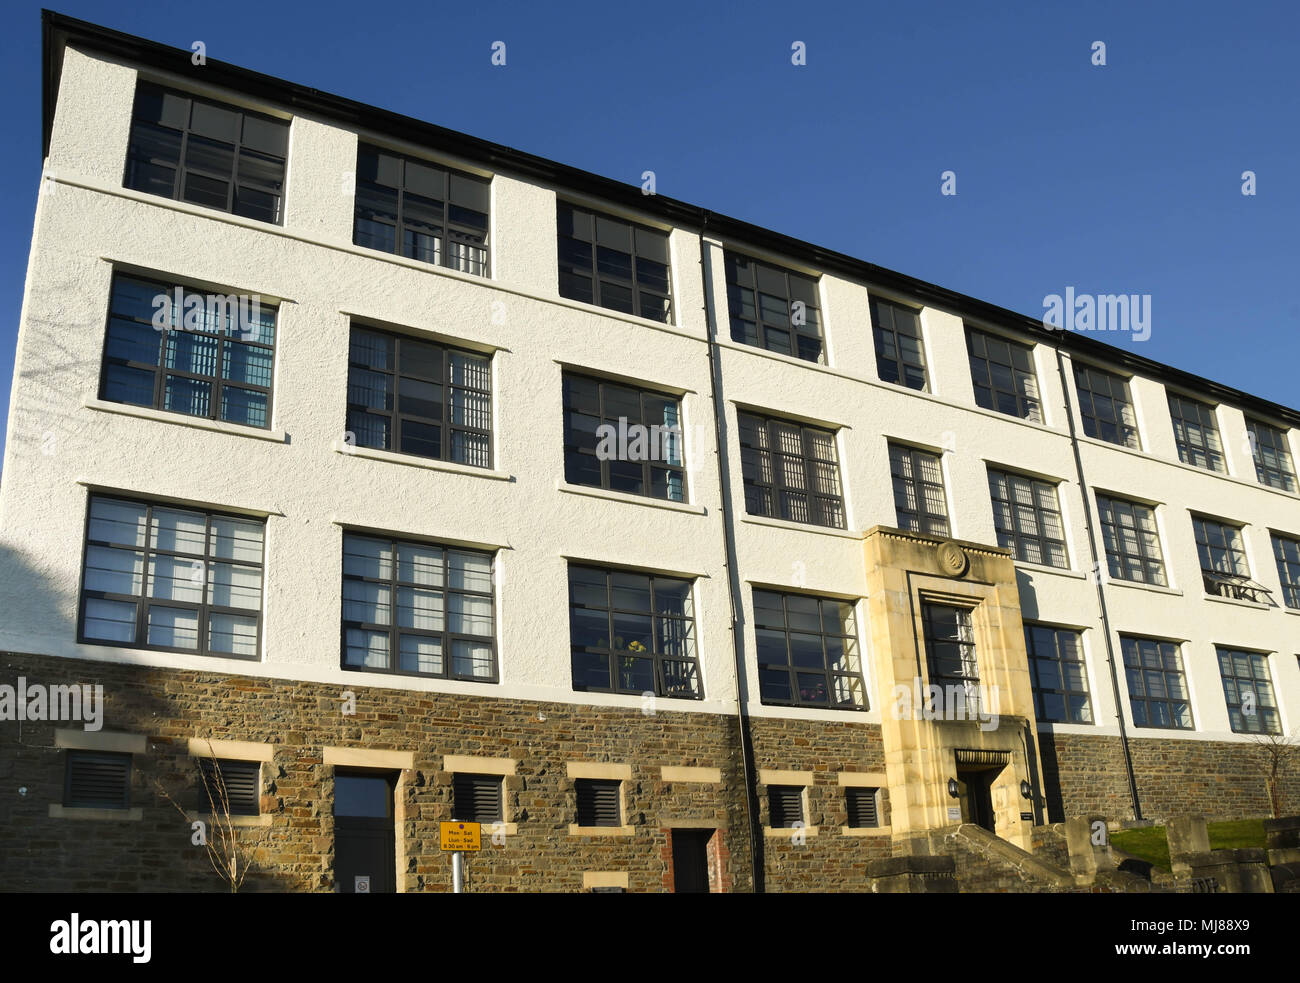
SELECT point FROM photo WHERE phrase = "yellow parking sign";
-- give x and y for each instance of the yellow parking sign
(460, 836)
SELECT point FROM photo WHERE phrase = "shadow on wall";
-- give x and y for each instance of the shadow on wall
(28, 597)
(48, 418)
(157, 852)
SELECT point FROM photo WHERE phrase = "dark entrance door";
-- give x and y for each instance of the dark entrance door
(365, 849)
(691, 861)
(977, 795)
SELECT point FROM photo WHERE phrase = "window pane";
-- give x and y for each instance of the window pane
(114, 571)
(366, 648)
(371, 558)
(469, 615)
(119, 522)
(177, 579)
(235, 634)
(367, 603)
(173, 628)
(178, 532)
(423, 609)
(233, 585)
(421, 653)
(110, 621)
(472, 659)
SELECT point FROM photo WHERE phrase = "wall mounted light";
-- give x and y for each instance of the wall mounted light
(953, 788)
(1025, 790)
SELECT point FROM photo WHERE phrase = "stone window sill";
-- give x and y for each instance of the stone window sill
(576, 830)
(1240, 602)
(1110, 581)
(1049, 569)
(866, 831)
(132, 815)
(262, 819)
(411, 461)
(197, 422)
(785, 833)
(764, 520)
(615, 496)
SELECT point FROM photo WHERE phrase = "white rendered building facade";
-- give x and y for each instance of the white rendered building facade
(424, 373)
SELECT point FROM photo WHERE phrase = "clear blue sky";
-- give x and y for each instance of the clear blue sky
(1117, 179)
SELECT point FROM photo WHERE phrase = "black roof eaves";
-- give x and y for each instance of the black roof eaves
(59, 30)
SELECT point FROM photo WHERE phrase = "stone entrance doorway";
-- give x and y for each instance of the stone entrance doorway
(989, 747)
(975, 792)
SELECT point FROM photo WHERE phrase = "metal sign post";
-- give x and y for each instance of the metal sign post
(456, 838)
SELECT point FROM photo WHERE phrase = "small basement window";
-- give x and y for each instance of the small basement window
(476, 798)
(97, 780)
(862, 805)
(599, 802)
(785, 803)
(230, 787)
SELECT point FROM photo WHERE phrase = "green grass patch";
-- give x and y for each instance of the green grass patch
(1148, 842)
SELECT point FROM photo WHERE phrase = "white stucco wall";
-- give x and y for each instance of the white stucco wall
(62, 442)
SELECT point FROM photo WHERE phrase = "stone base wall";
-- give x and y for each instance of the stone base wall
(1084, 775)
(828, 860)
(295, 852)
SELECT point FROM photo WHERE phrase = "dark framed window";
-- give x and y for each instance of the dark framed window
(421, 210)
(175, 348)
(418, 609)
(919, 497)
(476, 798)
(212, 154)
(599, 801)
(229, 786)
(1272, 454)
(418, 397)
(950, 652)
(613, 263)
(863, 807)
(1058, 674)
(773, 308)
(623, 438)
(1106, 406)
(807, 651)
(632, 633)
(1132, 541)
(1287, 553)
(1223, 560)
(1028, 518)
(785, 806)
(97, 780)
(900, 353)
(171, 578)
(1248, 690)
(1196, 433)
(790, 470)
(1157, 688)
(1003, 374)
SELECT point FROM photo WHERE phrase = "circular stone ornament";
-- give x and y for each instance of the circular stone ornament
(952, 559)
